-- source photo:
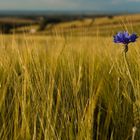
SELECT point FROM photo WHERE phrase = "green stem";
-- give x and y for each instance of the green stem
(128, 71)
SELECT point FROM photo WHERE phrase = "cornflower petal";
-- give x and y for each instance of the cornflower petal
(133, 37)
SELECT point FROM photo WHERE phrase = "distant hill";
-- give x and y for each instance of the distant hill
(46, 13)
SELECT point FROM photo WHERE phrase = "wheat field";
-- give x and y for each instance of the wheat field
(68, 88)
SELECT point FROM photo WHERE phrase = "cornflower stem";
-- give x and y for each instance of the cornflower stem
(127, 68)
(132, 83)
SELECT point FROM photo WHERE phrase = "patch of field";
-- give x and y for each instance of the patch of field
(105, 26)
(67, 87)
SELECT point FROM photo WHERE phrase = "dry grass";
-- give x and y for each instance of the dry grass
(68, 87)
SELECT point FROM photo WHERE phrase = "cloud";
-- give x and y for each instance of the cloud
(41, 4)
(54, 4)
(118, 2)
(95, 5)
(133, 0)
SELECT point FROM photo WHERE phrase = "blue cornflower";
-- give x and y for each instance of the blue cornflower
(125, 38)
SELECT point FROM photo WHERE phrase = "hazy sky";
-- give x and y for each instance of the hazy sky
(95, 5)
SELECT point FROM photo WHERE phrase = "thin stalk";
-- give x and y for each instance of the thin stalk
(132, 83)
(127, 68)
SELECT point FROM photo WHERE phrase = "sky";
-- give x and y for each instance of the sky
(72, 5)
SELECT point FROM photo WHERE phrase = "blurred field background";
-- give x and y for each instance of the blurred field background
(88, 26)
(70, 82)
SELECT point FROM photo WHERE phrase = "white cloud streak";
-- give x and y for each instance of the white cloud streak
(43, 4)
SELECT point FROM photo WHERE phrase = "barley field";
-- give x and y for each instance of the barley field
(63, 87)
